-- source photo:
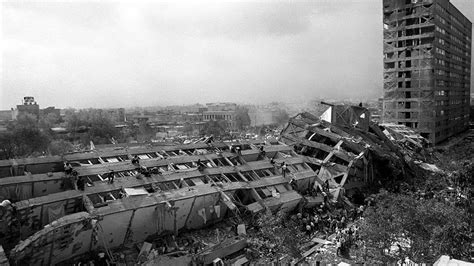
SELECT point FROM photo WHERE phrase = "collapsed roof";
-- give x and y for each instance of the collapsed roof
(349, 151)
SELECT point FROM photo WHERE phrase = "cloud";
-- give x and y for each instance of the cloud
(111, 54)
(235, 20)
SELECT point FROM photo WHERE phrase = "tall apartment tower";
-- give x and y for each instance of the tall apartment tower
(427, 67)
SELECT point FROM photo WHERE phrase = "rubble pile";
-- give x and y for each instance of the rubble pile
(296, 199)
(350, 152)
(273, 238)
(353, 157)
(265, 238)
(460, 149)
(306, 234)
(218, 241)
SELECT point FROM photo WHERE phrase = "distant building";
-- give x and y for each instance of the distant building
(50, 110)
(6, 115)
(192, 117)
(28, 106)
(141, 119)
(427, 67)
(117, 115)
(195, 108)
(221, 111)
(375, 108)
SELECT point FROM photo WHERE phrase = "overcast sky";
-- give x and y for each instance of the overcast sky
(123, 54)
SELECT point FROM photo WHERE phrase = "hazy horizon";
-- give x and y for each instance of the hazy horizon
(125, 54)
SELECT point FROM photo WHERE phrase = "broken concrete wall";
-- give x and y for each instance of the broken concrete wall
(60, 240)
(25, 187)
(18, 167)
(114, 228)
(249, 156)
(333, 155)
(132, 226)
(31, 215)
(286, 201)
(16, 192)
(179, 199)
(151, 220)
(302, 181)
(72, 234)
(351, 116)
(72, 239)
(131, 220)
(201, 211)
(43, 165)
(3, 258)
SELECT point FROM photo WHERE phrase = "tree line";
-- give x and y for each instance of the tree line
(28, 136)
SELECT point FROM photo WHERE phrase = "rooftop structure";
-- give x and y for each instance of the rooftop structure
(28, 106)
(427, 67)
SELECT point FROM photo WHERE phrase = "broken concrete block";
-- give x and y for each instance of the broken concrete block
(218, 262)
(239, 261)
(3, 258)
(255, 207)
(146, 247)
(225, 248)
(241, 229)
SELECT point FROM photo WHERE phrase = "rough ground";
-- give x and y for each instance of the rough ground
(279, 239)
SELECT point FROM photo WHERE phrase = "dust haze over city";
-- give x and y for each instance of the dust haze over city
(220, 133)
(116, 54)
(139, 54)
(111, 54)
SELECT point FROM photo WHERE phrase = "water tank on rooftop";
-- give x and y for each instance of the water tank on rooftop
(29, 100)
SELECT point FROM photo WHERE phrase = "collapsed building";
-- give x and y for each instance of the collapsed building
(348, 151)
(189, 187)
(192, 186)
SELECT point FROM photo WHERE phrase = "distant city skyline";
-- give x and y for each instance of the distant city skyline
(125, 54)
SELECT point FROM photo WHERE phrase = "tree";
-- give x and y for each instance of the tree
(75, 120)
(49, 121)
(60, 147)
(128, 134)
(102, 130)
(97, 123)
(23, 138)
(420, 229)
(7, 146)
(215, 127)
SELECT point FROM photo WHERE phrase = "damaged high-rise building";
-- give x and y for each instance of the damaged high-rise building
(427, 67)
